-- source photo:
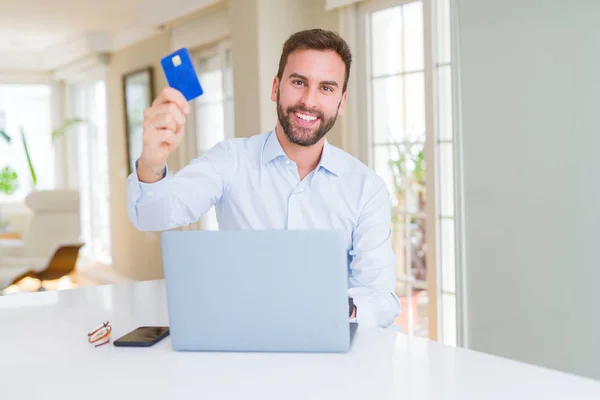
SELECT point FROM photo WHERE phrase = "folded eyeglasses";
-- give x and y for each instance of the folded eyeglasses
(100, 335)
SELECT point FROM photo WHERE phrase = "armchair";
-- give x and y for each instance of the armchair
(50, 243)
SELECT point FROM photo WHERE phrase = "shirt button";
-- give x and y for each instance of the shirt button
(150, 193)
(287, 162)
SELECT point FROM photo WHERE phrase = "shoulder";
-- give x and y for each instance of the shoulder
(237, 147)
(243, 144)
(354, 170)
(360, 181)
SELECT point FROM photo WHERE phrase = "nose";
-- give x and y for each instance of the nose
(309, 99)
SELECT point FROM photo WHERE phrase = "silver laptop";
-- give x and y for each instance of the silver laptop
(257, 290)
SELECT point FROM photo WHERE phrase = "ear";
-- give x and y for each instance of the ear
(342, 103)
(274, 89)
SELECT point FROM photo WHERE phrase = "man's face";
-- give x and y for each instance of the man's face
(309, 96)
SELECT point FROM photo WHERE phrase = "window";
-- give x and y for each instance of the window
(396, 87)
(409, 143)
(27, 106)
(88, 152)
(214, 109)
(213, 113)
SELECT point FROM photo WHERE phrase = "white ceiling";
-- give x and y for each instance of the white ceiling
(44, 34)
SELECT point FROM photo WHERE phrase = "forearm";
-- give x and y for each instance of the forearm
(373, 266)
(173, 202)
(373, 286)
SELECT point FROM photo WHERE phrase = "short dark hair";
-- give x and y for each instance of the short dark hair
(316, 39)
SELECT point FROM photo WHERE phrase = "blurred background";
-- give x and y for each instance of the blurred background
(478, 114)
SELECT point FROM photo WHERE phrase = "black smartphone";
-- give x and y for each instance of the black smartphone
(144, 336)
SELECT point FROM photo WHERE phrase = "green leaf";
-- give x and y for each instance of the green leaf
(31, 168)
(9, 182)
(64, 127)
(5, 136)
(419, 171)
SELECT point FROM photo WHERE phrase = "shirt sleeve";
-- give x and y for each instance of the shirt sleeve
(176, 201)
(373, 263)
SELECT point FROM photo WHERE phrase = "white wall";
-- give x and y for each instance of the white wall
(530, 98)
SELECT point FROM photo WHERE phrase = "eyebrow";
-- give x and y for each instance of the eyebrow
(295, 75)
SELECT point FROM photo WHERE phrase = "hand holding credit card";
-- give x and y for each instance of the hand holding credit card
(181, 75)
(165, 119)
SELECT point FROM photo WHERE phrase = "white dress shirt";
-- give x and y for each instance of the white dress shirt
(254, 185)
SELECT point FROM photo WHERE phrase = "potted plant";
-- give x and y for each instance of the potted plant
(9, 179)
(408, 172)
(57, 133)
(9, 183)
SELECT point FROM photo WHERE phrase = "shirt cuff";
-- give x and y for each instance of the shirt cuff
(145, 192)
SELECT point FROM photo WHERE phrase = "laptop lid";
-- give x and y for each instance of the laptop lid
(265, 290)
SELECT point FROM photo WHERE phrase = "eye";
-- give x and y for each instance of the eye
(298, 82)
(328, 89)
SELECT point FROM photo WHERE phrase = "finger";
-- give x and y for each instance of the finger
(169, 95)
(166, 108)
(163, 136)
(163, 121)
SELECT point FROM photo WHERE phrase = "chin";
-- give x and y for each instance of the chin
(303, 139)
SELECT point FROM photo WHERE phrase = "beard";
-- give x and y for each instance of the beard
(300, 135)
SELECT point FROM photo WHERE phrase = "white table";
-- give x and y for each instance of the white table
(44, 354)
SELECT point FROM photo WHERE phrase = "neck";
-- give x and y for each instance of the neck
(306, 157)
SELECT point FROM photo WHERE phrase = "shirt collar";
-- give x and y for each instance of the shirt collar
(272, 148)
(330, 159)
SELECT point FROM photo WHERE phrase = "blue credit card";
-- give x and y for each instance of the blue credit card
(181, 75)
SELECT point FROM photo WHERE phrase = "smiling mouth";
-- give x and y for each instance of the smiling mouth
(305, 119)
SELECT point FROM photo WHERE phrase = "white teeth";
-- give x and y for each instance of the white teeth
(305, 117)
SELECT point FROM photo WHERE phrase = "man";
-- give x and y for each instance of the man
(289, 178)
